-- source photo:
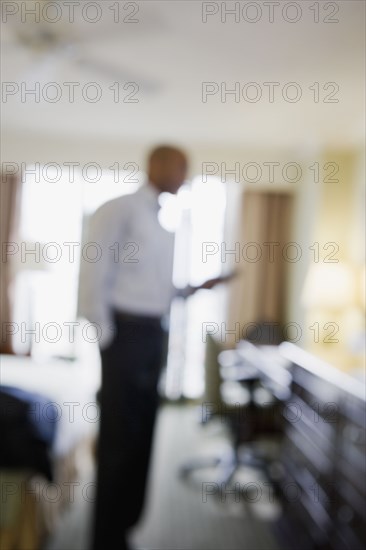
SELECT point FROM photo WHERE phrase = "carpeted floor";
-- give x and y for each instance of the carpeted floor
(182, 515)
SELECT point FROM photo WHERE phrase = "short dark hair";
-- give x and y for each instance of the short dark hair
(164, 151)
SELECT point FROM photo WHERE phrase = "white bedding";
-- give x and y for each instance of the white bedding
(70, 386)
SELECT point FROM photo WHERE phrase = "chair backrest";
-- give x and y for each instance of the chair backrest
(267, 333)
(213, 378)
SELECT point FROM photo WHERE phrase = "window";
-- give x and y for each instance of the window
(51, 235)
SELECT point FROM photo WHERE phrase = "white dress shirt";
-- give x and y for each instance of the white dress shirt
(134, 271)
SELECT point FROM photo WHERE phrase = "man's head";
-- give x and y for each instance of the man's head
(167, 168)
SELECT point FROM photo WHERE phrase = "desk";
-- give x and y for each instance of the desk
(323, 457)
(321, 470)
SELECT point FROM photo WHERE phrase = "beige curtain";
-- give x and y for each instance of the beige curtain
(10, 190)
(259, 292)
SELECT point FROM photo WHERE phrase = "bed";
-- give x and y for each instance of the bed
(34, 499)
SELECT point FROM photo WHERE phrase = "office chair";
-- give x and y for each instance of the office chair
(251, 411)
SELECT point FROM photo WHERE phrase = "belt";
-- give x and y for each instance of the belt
(135, 318)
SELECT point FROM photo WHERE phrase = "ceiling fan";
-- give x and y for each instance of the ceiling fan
(54, 44)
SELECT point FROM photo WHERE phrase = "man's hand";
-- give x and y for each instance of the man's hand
(210, 283)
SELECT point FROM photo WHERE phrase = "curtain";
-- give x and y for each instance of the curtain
(10, 191)
(258, 293)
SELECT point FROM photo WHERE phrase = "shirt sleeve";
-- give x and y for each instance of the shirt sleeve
(97, 270)
(185, 292)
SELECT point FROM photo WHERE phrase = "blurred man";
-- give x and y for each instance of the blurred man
(126, 293)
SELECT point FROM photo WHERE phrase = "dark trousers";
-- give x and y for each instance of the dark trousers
(129, 401)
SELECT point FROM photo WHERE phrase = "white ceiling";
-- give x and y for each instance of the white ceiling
(169, 53)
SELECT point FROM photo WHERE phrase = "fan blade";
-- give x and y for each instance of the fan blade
(124, 75)
(46, 67)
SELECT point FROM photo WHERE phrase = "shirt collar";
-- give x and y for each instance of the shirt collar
(151, 193)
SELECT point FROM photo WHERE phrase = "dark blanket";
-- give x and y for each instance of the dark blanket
(28, 426)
